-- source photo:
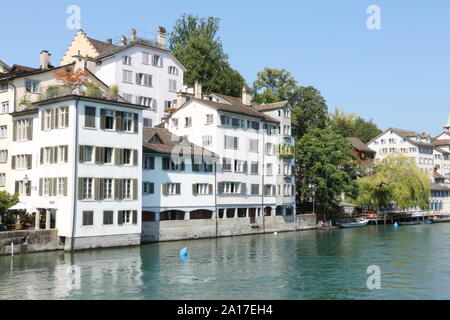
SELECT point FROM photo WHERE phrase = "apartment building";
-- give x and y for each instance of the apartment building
(19, 88)
(145, 71)
(78, 161)
(254, 145)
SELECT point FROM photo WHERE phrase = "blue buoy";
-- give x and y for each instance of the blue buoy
(396, 225)
(183, 253)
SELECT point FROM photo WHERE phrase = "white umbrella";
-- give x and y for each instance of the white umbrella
(23, 206)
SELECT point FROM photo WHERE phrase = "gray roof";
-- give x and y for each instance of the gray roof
(359, 145)
(270, 106)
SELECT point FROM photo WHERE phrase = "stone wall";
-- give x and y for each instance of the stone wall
(29, 241)
(154, 231)
(84, 243)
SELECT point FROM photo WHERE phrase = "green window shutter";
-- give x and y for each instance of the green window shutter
(42, 120)
(135, 189)
(135, 157)
(55, 155)
(135, 216)
(120, 217)
(13, 162)
(56, 118)
(29, 161)
(136, 123)
(98, 155)
(96, 189)
(40, 186)
(66, 153)
(16, 187)
(102, 119)
(119, 121)
(55, 186)
(50, 187)
(42, 156)
(67, 117)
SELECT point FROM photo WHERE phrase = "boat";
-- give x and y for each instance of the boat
(354, 223)
(438, 219)
(409, 223)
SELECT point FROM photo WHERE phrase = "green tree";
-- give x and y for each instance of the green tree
(195, 43)
(351, 125)
(7, 201)
(396, 179)
(310, 110)
(326, 169)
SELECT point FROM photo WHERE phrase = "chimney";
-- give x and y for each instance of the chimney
(123, 40)
(133, 35)
(109, 41)
(198, 90)
(246, 96)
(162, 37)
(45, 59)
(181, 99)
(79, 62)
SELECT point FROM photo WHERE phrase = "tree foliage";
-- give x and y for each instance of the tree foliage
(195, 43)
(351, 125)
(396, 179)
(326, 169)
(7, 201)
(310, 110)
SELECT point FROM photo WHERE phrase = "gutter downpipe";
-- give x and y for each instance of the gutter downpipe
(262, 178)
(75, 183)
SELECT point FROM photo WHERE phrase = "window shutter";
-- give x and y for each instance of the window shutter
(81, 154)
(102, 119)
(178, 186)
(135, 157)
(119, 121)
(42, 120)
(30, 129)
(14, 130)
(13, 162)
(135, 189)
(28, 188)
(56, 118)
(194, 189)
(135, 216)
(221, 188)
(152, 163)
(52, 155)
(42, 156)
(50, 187)
(245, 167)
(40, 187)
(67, 117)
(118, 156)
(120, 218)
(98, 155)
(116, 189)
(165, 163)
(243, 188)
(55, 154)
(66, 148)
(136, 123)
(80, 188)
(101, 191)
(65, 187)
(55, 186)
(210, 189)
(16, 187)
(52, 119)
(151, 188)
(164, 189)
(154, 105)
(29, 161)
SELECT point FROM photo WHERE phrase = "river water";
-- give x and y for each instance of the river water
(414, 263)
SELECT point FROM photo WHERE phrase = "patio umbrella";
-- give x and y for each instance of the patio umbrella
(23, 206)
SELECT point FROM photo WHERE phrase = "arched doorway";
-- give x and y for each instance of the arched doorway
(268, 211)
(201, 214)
(148, 216)
(171, 215)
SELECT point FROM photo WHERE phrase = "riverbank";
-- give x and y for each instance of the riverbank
(162, 231)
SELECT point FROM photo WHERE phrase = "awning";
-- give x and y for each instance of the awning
(24, 206)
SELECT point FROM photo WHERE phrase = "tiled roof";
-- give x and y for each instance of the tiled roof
(17, 71)
(101, 47)
(359, 145)
(168, 141)
(229, 99)
(438, 187)
(441, 142)
(271, 106)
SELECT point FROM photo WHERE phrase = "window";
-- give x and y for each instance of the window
(254, 190)
(231, 143)
(32, 85)
(3, 86)
(127, 76)
(207, 140)
(175, 123)
(108, 217)
(87, 188)
(145, 58)
(22, 188)
(237, 123)
(148, 122)
(253, 145)
(172, 189)
(231, 187)
(22, 130)
(253, 125)
(46, 187)
(270, 149)
(201, 189)
(4, 108)
(127, 189)
(145, 101)
(157, 61)
(168, 164)
(148, 188)
(3, 132)
(47, 119)
(226, 166)
(149, 163)
(239, 166)
(63, 117)
(173, 70)
(61, 186)
(87, 153)
(89, 117)
(173, 85)
(269, 169)
(88, 218)
(2, 179)
(128, 97)
(144, 79)
(109, 119)
(225, 121)
(21, 162)
(254, 168)
(209, 118)
(188, 122)
(3, 156)
(128, 122)
(127, 154)
(126, 60)
(269, 190)
(127, 217)
(108, 189)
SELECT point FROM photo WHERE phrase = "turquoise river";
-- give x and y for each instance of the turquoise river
(414, 263)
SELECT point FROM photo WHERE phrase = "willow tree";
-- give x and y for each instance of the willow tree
(396, 179)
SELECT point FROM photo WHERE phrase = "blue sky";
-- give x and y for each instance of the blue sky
(398, 76)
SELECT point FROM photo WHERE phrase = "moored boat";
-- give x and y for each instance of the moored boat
(409, 223)
(353, 224)
(440, 219)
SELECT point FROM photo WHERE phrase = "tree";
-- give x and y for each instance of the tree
(71, 79)
(7, 201)
(195, 43)
(309, 107)
(351, 125)
(396, 179)
(326, 169)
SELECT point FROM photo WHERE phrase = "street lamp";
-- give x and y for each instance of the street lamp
(26, 179)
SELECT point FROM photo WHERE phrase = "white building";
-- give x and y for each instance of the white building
(145, 71)
(78, 161)
(255, 148)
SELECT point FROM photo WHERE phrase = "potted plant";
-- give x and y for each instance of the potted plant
(113, 92)
(24, 102)
(92, 89)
